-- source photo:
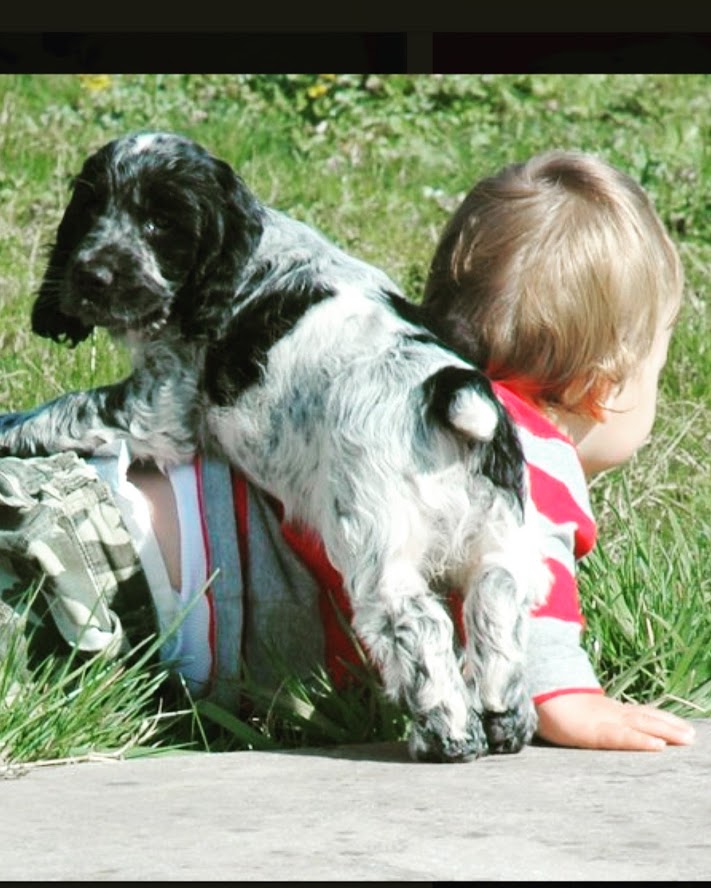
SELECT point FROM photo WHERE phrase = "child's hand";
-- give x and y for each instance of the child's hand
(593, 721)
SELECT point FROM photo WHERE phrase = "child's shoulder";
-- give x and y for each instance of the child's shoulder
(558, 485)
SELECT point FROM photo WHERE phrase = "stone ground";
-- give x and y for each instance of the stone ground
(364, 813)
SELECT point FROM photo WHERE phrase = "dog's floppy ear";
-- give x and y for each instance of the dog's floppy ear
(243, 212)
(48, 319)
(230, 233)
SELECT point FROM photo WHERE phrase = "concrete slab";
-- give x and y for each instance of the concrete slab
(364, 813)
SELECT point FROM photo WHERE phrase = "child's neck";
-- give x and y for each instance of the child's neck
(576, 427)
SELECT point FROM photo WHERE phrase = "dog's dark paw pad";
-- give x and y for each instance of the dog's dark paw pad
(509, 731)
(429, 745)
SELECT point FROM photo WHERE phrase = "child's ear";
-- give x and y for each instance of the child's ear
(601, 397)
(591, 399)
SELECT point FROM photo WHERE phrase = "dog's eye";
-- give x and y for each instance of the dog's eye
(156, 224)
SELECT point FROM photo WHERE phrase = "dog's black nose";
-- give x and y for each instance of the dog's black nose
(92, 275)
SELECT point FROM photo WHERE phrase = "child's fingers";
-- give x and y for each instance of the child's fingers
(659, 724)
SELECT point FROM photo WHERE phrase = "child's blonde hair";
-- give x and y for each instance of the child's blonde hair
(556, 274)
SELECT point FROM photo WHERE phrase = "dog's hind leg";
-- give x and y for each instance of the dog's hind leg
(496, 620)
(511, 579)
(410, 636)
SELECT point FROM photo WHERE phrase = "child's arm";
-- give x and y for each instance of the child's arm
(594, 721)
(572, 707)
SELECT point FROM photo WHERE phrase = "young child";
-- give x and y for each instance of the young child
(556, 276)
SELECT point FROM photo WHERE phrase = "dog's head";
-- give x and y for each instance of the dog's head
(155, 232)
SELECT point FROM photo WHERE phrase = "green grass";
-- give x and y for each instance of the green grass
(378, 163)
(59, 706)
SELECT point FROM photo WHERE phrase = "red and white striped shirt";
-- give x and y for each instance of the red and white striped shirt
(556, 663)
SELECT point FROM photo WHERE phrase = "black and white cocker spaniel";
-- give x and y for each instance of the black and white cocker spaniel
(255, 338)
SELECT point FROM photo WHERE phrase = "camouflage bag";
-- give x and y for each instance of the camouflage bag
(60, 527)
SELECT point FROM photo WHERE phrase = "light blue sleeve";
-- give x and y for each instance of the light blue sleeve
(556, 661)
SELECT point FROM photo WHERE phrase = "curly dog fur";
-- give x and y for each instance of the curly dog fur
(256, 338)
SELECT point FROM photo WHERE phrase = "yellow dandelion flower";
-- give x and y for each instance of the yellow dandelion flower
(317, 90)
(95, 82)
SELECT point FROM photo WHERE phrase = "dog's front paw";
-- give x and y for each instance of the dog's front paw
(511, 730)
(432, 740)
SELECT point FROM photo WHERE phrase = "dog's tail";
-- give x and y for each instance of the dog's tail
(462, 399)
